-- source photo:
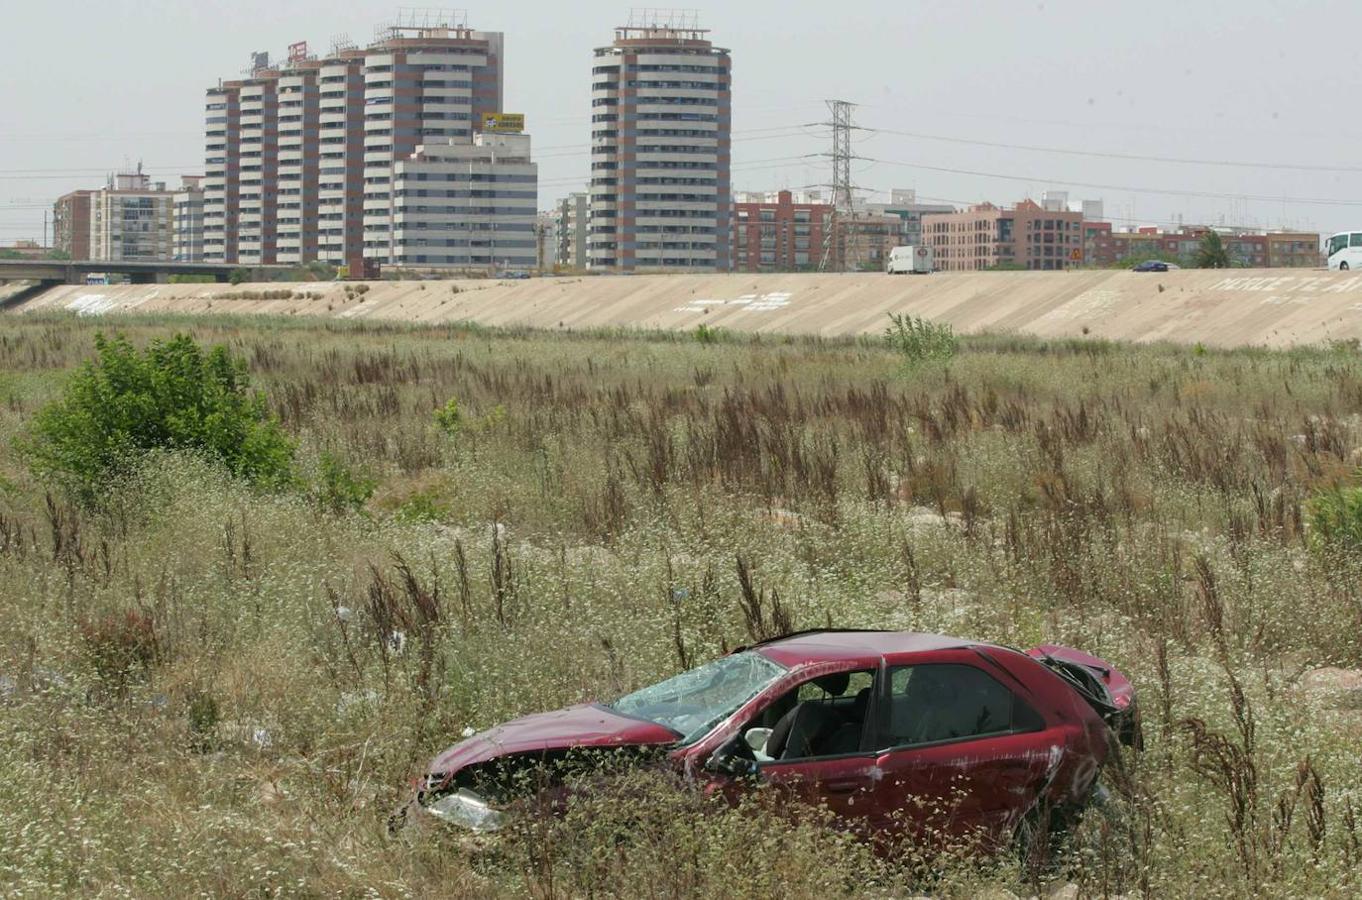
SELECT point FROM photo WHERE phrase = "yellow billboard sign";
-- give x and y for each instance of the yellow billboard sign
(508, 123)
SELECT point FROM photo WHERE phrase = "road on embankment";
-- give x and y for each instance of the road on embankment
(1238, 307)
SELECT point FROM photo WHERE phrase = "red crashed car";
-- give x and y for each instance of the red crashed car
(898, 733)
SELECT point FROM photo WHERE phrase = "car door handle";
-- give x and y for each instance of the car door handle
(841, 787)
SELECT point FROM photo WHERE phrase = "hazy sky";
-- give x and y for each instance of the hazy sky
(86, 86)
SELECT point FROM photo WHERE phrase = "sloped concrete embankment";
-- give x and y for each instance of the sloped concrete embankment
(1273, 308)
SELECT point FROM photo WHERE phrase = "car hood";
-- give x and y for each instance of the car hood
(577, 726)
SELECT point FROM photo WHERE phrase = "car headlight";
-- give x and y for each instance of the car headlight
(467, 810)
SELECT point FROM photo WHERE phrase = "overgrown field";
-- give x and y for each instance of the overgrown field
(196, 697)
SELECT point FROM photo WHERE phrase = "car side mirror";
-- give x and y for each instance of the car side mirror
(733, 758)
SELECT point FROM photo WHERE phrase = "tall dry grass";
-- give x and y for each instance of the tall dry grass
(204, 689)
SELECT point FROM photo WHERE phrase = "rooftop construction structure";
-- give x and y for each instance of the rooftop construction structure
(301, 153)
(661, 123)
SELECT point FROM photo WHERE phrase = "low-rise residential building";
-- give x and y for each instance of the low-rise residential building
(863, 240)
(131, 219)
(904, 204)
(779, 232)
(985, 236)
(467, 205)
(1293, 250)
(1245, 248)
(1093, 233)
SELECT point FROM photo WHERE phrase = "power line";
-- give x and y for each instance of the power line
(1211, 195)
(1133, 157)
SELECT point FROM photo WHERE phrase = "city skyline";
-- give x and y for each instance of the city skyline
(1116, 102)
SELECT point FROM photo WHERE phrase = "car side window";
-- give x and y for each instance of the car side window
(950, 702)
(824, 716)
(1357, 239)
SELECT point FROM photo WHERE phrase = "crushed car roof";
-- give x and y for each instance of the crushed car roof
(828, 645)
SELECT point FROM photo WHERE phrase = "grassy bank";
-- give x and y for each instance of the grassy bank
(194, 695)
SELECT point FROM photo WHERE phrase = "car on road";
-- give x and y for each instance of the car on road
(1154, 265)
(898, 733)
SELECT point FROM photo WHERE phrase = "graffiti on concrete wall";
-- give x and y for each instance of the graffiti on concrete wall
(746, 303)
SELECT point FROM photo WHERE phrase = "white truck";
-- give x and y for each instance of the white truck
(910, 260)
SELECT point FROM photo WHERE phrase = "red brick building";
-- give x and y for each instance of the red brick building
(1252, 250)
(71, 224)
(779, 236)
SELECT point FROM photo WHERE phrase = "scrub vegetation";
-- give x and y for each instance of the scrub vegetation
(213, 683)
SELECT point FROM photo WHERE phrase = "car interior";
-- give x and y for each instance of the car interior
(822, 717)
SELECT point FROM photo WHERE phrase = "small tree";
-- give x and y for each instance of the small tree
(1212, 253)
(172, 396)
(918, 340)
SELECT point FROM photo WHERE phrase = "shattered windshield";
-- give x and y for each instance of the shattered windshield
(694, 702)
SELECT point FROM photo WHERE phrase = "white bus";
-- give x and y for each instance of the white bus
(1345, 251)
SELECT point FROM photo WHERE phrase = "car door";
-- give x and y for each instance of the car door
(843, 782)
(964, 756)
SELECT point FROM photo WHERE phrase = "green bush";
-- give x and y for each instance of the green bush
(340, 488)
(1335, 517)
(423, 507)
(172, 396)
(238, 276)
(448, 418)
(708, 334)
(918, 340)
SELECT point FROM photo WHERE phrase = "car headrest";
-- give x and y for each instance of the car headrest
(834, 684)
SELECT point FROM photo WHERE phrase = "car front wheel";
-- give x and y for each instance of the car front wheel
(1343, 267)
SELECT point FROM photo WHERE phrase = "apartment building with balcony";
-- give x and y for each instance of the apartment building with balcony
(779, 233)
(258, 179)
(572, 217)
(301, 155)
(222, 172)
(131, 219)
(71, 224)
(1245, 247)
(661, 149)
(299, 163)
(187, 221)
(467, 205)
(340, 151)
(904, 204)
(421, 86)
(985, 236)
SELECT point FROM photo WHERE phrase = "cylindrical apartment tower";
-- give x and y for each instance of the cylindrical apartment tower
(661, 150)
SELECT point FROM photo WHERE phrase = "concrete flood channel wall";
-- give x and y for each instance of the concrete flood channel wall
(1240, 307)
